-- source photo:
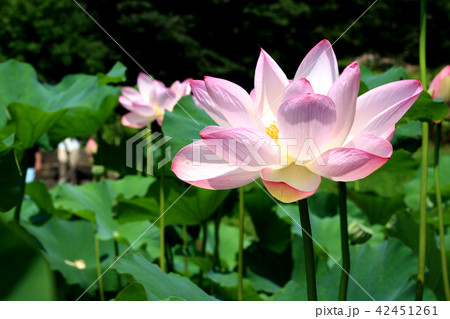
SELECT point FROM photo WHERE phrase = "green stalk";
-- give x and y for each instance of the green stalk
(99, 267)
(162, 251)
(422, 43)
(203, 252)
(241, 245)
(216, 242)
(308, 248)
(423, 183)
(116, 252)
(185, 251)
(205, 237)
(357, 186)
(169, 259)
(162, 259)
(23, 177)
(343, 287)
(440, 212)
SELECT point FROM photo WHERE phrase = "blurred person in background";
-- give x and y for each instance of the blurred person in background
(34, 164)
(68, 157)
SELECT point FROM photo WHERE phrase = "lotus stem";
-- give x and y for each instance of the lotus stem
(185, 251)
(98, 265)
(308, 248)
(203, 252)
(241, 245)
(343, 287)
(423, 214)
(440, 212)
(216, 242)
(23, 177)
(116, 252)
(424, 173)
(162, 259)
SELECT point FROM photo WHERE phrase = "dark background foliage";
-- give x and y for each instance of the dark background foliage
(179, 39)
(175, 40)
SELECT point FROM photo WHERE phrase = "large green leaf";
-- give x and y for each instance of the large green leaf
(362, 88)
(132, 185)
(133, 292)
(377, 209)
(86, 104)
(18, 256)
(228, 245)
(137, 209)
(93, 200)
(426, 109)
(18, 83)
(69, 248)
(195, 206)
(192, 208)
(184, 124)
(323, 204)
(402, 162)
(38, 192)
(31, 122)
(386, 180)
(28, 123)
(115, 75)
(298, 256)
(159, 285)
(77, 106)
(140, 234)
(276, 267)
(372, 81)
(324, 230)
(406, 228)
(113, 157)
(227, 287)
(83, 120)
(412, 187)
(36, 284)
(292, 291)
(383, 271)
(408, 136)
(10, 194)
(261, 284)
(273, 232)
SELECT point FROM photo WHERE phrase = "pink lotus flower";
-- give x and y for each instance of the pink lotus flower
(150, 101)
(440, 86)
(337, 134)
(91, 147)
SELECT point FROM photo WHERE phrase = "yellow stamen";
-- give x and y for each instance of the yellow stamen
(80, 264)
(272, 130)
(158, 111)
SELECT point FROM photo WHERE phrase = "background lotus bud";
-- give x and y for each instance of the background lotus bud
(359, 233)
(440, 86)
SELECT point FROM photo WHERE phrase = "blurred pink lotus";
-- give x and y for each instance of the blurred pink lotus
(290, 133)
(440, 86)
(150, 101)
(91, 147)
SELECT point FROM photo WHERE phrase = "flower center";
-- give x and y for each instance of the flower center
(158, 111)
(272, 130)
